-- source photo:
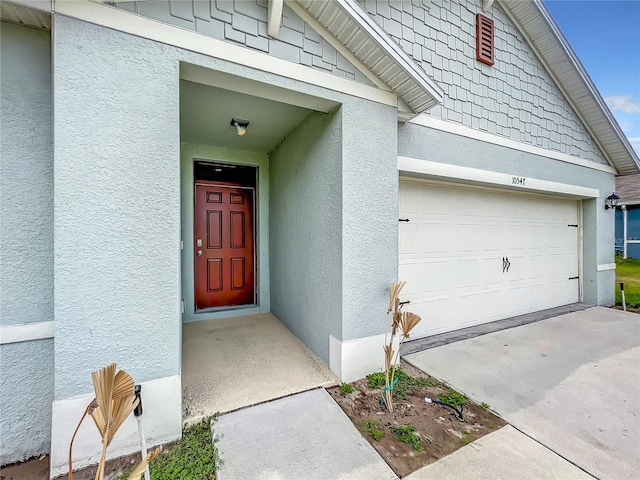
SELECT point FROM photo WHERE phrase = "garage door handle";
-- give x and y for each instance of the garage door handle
(403, 220)
(505, 264)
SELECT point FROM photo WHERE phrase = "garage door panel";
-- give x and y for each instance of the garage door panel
(453, 250)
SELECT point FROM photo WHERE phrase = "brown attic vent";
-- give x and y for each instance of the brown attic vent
(484, 39)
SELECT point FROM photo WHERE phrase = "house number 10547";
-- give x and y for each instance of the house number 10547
(518, 181)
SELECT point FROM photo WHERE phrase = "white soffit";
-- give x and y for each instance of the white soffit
(20, 14)
(353, 28)
(555, 52)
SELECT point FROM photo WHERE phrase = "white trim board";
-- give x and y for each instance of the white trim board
(161, 419)
(463, 130)
(331, 40)
(606, 266)
(354, 359)
(127, 22)
(445, 171)
(25, 332)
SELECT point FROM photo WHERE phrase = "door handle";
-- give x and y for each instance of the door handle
(199, 253)
(505, 264)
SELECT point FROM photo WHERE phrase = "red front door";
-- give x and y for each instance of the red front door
(223, 246)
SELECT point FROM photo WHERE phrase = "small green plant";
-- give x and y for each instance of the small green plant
(485, 405)
(194, 457)
(406, 434)
(346, 389)
(370, 427)
(376, 380)
(491, 425)
(452, 397)
(404, 384)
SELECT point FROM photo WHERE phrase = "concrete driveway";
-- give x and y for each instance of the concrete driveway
(570, 382)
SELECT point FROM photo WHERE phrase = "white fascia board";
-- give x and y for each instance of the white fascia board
(26, 332)
(331, 40)
(131, 23)
(511, 181)
(379, 36)
(458, 129)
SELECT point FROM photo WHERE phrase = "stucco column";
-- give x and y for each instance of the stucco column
(116, 234)
(369, 235)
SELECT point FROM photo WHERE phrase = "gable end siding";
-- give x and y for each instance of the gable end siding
(244, 22)
(516, 97)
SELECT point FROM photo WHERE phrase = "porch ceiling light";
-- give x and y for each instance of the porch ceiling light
(611, 201)
(241, 125)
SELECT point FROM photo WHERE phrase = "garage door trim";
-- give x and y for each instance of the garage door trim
(505, 181)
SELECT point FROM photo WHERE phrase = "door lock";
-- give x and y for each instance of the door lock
(199, 253)
(199, 242)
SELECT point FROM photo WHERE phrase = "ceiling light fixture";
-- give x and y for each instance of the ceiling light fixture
(241, 125)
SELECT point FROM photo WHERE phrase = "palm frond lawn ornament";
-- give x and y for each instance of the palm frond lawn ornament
(401, 325)
(115, 400)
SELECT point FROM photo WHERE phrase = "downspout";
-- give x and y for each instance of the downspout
(624, 231)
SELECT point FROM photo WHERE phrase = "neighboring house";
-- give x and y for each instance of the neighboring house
(130, 205)
(628, 216)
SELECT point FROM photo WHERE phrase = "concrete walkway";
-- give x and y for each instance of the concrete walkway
(503, 455)
(303, 436)
(571, 382)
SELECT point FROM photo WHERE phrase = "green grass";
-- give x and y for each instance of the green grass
(370, 427)
(628, 271)
(453, 398)
(346, 389)
(406, 434)
(405, 382)
(193, 458)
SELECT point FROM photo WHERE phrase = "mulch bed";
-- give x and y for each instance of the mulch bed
(438, 428)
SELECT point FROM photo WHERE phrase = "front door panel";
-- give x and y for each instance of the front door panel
(223, 246)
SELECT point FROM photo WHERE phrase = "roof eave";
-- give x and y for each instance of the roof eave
(592, 109)
(414, 79)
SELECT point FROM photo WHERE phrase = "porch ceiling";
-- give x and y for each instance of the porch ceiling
(206, 112)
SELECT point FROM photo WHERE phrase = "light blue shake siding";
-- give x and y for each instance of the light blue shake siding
(26, 239)
(244, 22)
(515, 97)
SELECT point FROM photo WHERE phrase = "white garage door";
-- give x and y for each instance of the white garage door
(472, 256)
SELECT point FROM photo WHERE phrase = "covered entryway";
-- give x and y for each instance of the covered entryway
(473, 255)
(248, 220)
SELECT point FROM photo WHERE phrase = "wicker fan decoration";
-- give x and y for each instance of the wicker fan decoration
(115, 400)
(402, 323)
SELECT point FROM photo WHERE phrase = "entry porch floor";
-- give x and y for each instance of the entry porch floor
(240, 361)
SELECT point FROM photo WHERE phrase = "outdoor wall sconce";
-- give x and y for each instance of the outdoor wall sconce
(611, 201)
(241, 125)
